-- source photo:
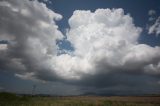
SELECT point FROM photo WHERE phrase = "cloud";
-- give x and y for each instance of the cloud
(107, 52)
(155, 27)
(106, 41)
(30, 29)
(151, 12)
(106, 49)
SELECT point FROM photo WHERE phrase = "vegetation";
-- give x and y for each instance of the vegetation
(9, 99)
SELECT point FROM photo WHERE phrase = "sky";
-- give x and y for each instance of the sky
(80, 47)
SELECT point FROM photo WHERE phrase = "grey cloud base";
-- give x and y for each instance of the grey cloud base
(106, 49)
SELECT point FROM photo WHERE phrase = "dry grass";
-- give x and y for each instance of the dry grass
(12, 100)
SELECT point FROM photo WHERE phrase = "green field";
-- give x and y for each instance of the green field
(7, 99)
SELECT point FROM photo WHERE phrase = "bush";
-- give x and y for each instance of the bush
(4, 96)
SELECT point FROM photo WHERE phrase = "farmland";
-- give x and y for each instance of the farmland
(7, 99)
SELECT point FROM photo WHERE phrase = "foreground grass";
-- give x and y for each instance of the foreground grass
(7, 99)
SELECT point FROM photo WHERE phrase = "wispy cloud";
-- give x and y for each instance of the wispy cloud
(155, 27)
(151, 12)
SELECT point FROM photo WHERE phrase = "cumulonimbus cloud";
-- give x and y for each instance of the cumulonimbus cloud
(105, 44)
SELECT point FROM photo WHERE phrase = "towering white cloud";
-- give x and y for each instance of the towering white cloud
(105, 41)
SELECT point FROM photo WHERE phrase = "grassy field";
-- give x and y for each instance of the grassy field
(7, 99)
